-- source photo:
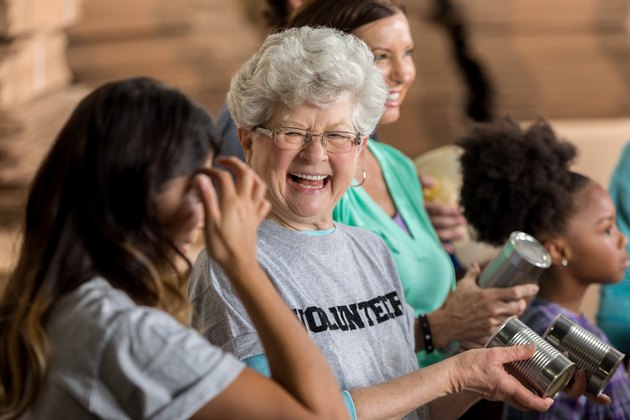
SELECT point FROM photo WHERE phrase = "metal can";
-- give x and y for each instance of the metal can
(547, 372)
(589, 352)
(522, 260)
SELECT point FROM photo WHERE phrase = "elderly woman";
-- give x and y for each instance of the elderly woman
(304, 105)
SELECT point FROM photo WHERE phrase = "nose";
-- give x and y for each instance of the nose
(314, 150)
(623, 240)
(402, 70)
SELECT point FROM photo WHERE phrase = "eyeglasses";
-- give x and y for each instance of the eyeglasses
(291, 138)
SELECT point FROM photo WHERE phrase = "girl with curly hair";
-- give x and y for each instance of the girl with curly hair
(516, 179)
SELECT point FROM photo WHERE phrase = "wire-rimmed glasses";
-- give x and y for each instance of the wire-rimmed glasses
(292, 138)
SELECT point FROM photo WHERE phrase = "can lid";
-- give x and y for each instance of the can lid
(503, 335)
(606, 369)
(530, 249)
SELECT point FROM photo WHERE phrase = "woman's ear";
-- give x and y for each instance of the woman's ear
(363, 144)
(245, 138)
(294, 4)
(558, 249)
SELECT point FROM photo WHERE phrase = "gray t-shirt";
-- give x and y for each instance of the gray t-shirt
(111, 358)
(342, 286)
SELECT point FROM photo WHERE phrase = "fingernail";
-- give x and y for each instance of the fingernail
(202, 181)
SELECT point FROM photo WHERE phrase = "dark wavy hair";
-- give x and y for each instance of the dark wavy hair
(277, 14)
(344, 15)
(516, 179)
(91, 212)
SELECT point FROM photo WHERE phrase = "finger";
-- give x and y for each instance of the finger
(450, 235)
(472, 272)
(516, 353)
(577, 385)
(263, 210)
(502, 309)
(467, 282)
(521, 291)
(245, 182)
(242, 173)
(524, 399)
(442, 209)
(601, 399)
(426, 181)
(212, 213)
(224, 183)
(232, 162)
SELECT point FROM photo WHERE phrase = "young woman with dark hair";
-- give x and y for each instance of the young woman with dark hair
(92, 319)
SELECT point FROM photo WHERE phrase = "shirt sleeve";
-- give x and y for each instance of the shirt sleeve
(260, 364)
(153, 367)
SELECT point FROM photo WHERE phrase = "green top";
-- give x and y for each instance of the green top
(425, 269)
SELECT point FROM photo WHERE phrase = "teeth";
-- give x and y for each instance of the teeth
(393, 96)
(309, 177)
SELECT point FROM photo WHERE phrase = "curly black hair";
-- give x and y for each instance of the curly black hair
(516, 179)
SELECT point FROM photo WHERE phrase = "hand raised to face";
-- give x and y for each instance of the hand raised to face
(233, 210)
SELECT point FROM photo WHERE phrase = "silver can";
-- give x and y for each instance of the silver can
(522, 260)
(589, 352)
(547, 372)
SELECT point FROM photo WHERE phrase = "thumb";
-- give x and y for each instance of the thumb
(522, 352)
(426, 180)
(470, 278)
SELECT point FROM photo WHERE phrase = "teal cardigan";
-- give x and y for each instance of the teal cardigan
(424, 267)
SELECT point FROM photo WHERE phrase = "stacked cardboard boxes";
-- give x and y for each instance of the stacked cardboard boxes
(35, 99)
(33, 48)
(194, 45)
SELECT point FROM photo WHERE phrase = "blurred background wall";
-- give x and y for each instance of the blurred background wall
(566, 60)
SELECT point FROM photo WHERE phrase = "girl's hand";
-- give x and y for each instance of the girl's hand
(233, 210)
(577, 388)
(447, 219)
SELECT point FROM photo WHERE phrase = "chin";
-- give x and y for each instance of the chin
(390, 116)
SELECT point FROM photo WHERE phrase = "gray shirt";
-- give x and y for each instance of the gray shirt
(111, 358)
(342, 286)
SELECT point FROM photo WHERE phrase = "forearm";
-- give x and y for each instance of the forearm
(452, 406)
(295, 361)
(397, 397)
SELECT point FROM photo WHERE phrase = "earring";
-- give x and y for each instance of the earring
(362, 181)
(565, 263)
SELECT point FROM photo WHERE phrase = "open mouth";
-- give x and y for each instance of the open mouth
(393, 96)
(312, 182)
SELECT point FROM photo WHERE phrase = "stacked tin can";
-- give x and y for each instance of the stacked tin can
(547, 372)
(597, 358)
